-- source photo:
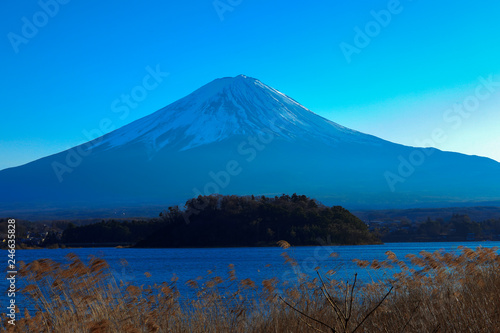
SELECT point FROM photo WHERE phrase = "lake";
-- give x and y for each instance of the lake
(254, 263)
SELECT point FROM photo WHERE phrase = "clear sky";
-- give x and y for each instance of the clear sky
(388, 68)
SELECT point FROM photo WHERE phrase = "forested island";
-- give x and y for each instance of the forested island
(220, 221)
(235, 221)
(232, 221)
(212, 221)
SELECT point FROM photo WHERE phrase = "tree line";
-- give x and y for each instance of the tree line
(219, 221)
(232, 221)
(459, 227)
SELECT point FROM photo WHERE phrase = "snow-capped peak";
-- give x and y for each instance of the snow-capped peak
(227, 107)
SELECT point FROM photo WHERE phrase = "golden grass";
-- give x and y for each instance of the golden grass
(439, 292)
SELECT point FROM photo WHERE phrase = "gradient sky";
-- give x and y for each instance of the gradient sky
(401, 84)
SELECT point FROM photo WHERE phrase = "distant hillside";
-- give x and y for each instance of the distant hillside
(421, 214)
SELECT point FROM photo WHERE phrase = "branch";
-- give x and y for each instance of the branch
(334, 305)
(311, 326)
(302, 313)
(350, 301)
(375, 308)
(413, 312)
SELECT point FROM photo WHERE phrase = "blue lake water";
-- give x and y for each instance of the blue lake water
(254, 263)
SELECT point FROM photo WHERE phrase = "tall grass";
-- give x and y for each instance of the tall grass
(431, 292)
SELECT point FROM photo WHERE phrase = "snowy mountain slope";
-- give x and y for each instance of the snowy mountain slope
(240, 136)
(228, 107)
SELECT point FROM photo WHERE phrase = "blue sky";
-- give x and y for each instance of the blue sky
(63, 66)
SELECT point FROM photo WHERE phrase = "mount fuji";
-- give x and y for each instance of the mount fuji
(237, 135)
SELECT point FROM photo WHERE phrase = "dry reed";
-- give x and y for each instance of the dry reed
(431, 292)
